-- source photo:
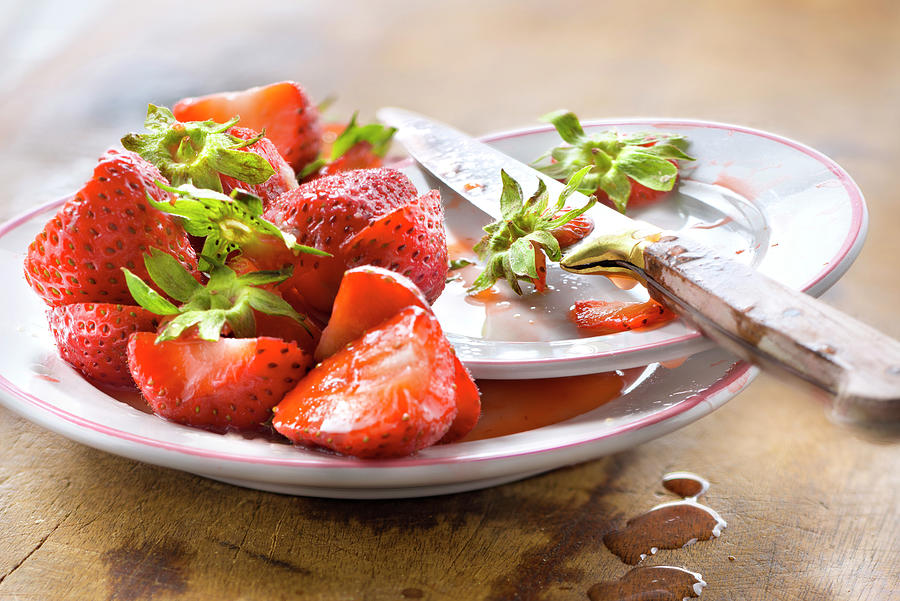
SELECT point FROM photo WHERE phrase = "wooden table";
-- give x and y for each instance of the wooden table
(812, 509)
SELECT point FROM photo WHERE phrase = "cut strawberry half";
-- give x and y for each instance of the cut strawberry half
(410, 240)
(388, 394)
(608, 317)
(368, 297)
(230, 383)
(281, 109)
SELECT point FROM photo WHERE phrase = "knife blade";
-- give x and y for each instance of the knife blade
(740, 309)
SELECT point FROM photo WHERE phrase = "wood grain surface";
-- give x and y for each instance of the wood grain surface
(812, 509)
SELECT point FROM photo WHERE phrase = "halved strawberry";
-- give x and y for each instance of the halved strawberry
(409, 240)
(230, 383)
(468, 404)
(327, 212)
(608, 317)
(109, 224)
(281, 109)
(202, 152)
(93, 338)
(624, 168)
(573, 230)
(388, 394)
(368, 297)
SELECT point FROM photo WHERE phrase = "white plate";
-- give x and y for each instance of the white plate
(761, 199)
(38, 385)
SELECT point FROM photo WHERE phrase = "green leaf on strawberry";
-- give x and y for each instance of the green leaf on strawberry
(197, 152)
(227, 222)
(510, 248)
(378, 136)
(615, 160)
(227, 298)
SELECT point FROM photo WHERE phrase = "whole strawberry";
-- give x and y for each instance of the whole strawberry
(109, 224)
(93, 338)
(282, 110)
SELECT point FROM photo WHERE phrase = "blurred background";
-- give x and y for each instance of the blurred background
(78, 75)
(814, 507)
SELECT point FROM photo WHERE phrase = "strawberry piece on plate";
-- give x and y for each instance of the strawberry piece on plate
(230, 383)
(388, 394)
(599, 317)
(371, 295)
(282, 110)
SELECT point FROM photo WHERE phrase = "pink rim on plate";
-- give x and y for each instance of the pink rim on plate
(731, 381)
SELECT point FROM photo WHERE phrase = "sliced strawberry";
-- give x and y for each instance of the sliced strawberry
(107, 225)
(572, 231)
(367, 297)
(388, 394)
(201, 153)
(282, 180)
(608, 317)
(93, 338)
(468, 404)
(230, 383)
(325, 213)
(410, 240)
(306, 335)
(282, 109)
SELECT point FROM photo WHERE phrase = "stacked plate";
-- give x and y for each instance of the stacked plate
(782, 207)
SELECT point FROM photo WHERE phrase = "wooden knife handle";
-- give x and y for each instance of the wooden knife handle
(766, 322)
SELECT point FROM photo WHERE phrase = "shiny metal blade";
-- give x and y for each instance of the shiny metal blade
(472, 169)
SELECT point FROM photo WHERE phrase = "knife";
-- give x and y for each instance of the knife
(751, 315)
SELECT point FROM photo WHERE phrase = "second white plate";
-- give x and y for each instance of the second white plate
(759, 198)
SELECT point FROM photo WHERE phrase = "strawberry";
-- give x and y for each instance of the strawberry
(230, 383)
(624, 168)
(281, 181)
(329, 212)
(409, 240)
(282, 110)
(202, 153)
(598, 317)
(368, 297)
(306, 335)
(353, 147)
(226, 303)
(388, 394)
(468, 404)
(93, 338)
(231, 223)
(108, 224)
(573, 230)
(517, 246)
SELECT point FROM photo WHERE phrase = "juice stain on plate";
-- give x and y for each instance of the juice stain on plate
(657, 583)
(512, 406)
(667, 526)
